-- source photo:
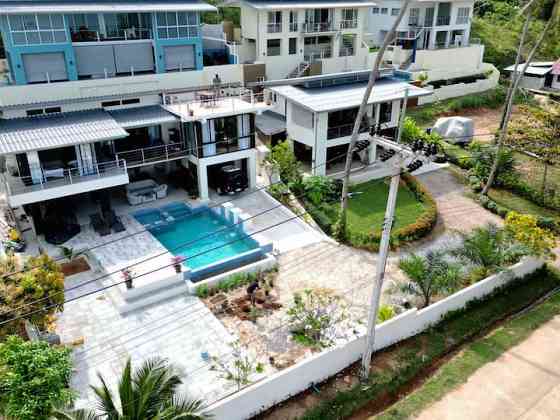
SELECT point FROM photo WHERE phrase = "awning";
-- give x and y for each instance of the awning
(99, 6)
(21, 135)
(144, 116)
(270, 123)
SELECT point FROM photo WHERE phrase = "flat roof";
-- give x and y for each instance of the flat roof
(348, 96)
(142, 116)
(84, 6)
(541, 68)
(270, 123)
(299, 4)
(19, 135)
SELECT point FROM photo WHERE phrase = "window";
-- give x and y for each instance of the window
(108, 104)
(463, 15)
(292, 48)
(42, 111)
(385, 112)
(375, 10)
(130, 101)
(384, 10)
(395, 11)
(273, 47)
(347, 45)
(274, 22)
(37, 29)
(349, 19)
(293, 21)
(118, 102)
(83, 22)
(173, 25)
(414, 17)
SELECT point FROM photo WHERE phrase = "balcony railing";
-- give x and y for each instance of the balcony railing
(294, 26)
(43, 179)
(345, 130)
(443, 20)
(462, 20)
(154, 154)
(312, 56)
(349, 24)
(274, 28)
(111, 34)
(313, 27)
(225, 145)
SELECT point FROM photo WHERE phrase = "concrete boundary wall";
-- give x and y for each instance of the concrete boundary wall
(289, 382)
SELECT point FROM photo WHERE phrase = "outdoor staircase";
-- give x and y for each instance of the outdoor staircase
(300, 70)
(142, 297)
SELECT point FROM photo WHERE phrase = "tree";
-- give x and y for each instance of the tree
(39, 283)
(149, 393)
(341, 228)
(430, 275)
(33, 378)
(514, 84)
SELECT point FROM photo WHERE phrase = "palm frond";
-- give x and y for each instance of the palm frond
(68, 414)
(105, 403)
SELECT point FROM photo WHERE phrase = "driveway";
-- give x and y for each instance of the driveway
(523, 384)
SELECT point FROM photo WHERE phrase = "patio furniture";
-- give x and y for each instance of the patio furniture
(114, 221)
(99, 225)
(145, 191)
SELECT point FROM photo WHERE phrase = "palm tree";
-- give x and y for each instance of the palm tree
(147, 394)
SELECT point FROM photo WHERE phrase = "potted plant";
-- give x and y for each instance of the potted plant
(127, 277)
(177, 262)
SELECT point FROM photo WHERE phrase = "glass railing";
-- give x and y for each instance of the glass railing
(311, 27)
(150, 155)
(443, 20)
(348, 24)
(294, 27)
(111, 34)
(226, 145)
(274, 28)
(345, 130)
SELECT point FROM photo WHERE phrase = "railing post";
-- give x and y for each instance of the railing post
(166, 152)
(143, 157)
(97, 169)
(70, 176)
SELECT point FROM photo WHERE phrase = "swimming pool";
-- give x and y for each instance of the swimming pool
(202, 235)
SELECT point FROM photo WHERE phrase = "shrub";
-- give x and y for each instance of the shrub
(385, 313)
(33, 378)
(411, 132)
(524, 229)
(283, 157)
(319, 189)
(483, 158)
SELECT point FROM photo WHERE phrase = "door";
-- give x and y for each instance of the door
(135, 57)
(95, 60)
(44, 67)
(179, 57)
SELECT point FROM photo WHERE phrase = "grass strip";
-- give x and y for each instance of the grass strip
(408, 360)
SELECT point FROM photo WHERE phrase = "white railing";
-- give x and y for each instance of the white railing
(212, 100)
(349, 24)
(318, 54)
(294, 26)
(310, 27)
(274, 28)
(44, 178)
(150, 155)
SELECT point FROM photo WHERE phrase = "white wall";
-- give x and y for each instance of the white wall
(15, 95)
(451, 62)
(555, 82)
(289, 382)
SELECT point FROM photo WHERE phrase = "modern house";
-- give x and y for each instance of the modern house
(291, 36)
(539, 75)
(320, 113)
(48, 41)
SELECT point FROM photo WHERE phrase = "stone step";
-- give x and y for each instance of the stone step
(144, 300)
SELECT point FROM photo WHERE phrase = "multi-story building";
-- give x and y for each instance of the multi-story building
(320, 112)
(290, 36)
(58, 41)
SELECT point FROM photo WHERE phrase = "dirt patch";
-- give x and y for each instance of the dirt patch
(76, 266)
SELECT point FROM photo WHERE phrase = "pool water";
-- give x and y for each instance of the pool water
(202, 237)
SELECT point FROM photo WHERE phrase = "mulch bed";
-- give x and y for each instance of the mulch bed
(76, 266)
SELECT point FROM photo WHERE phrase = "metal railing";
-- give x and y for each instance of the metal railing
(294, 26)
(274, 28)
(443, 20)
(349, 24)
(462, 20)
(345, 130)
(212, 100)
(111, 34)
(41, 179)
(225, 145)
(317, 54)
(311, 27)
(153, 154)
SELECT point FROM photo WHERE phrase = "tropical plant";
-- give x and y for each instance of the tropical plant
(489, 247)
(240, 368)
(282, 156)
(319, 189)
(524, 229)
(385, 313)
(33, 378)
(149, 393)
(412, 132)
(482, 157)
(314, 315)
(430, 275)
(35, 287)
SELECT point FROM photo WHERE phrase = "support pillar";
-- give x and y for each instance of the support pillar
(202, 172)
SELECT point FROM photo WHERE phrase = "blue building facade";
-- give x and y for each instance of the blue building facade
(48, 41)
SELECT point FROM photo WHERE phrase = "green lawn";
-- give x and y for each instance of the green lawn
(519, 204)
(532, 171)
(476, 355)
(366, 211)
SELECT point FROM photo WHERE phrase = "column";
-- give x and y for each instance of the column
(252, 170)
(35, 167)
(202, 172)
(432, 43)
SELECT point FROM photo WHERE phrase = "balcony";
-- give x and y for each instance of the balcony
(274, 28)
(111, 34)
(443, 20)
(225, 145)
(50, 184)
(345, 130)
(348, 24)
(294, 27)
(311, 55)
(317, 27)
(153, 155)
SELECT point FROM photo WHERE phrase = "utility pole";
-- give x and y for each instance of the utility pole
(383, 250)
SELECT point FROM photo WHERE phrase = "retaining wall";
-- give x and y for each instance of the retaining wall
(289, 382)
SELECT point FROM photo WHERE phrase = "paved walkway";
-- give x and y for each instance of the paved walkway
(523, 384)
